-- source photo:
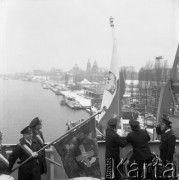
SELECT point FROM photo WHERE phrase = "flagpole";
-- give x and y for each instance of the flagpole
(59, 138)
(120, 101)
(112, 27)
(118, 85)
(54, 162)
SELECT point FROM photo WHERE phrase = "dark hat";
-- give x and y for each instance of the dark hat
(112, 122)
(166, 120)
(26, 130)
(36, 121)
(134, 123)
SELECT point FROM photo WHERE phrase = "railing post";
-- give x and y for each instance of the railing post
(51, 164)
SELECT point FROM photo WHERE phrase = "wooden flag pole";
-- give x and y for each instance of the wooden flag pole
(54, 162)
(58, 139)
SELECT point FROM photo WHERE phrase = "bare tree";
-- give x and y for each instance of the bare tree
(151, 77)
(165, 73)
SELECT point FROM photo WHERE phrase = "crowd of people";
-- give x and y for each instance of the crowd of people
(31, 142)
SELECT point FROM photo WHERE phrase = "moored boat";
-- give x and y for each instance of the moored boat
(72, 103)
(45, 86)
(63, 102)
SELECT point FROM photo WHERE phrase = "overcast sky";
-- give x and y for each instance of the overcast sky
(59, 33)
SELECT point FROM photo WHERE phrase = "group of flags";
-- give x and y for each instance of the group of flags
(79, 149)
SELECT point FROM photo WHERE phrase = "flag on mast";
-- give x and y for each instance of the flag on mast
(111, 98)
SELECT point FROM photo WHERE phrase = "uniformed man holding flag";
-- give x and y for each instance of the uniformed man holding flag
(27, 147)
(36, 126)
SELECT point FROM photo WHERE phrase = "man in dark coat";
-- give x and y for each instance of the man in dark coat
(168, 140)
(4, 163)
(36, 126)
(113, 142)
(139, 139)
(26, 148)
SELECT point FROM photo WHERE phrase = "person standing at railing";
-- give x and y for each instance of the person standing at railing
(36, 126)
(4, 163)
(168, 140)
(26, 148)
(139, 139)
(112, 155)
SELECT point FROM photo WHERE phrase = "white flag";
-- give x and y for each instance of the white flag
(111, 98)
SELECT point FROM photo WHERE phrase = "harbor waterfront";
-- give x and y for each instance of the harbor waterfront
(21, 101)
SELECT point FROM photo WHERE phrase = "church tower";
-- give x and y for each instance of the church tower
(88, 67)
(95, 68)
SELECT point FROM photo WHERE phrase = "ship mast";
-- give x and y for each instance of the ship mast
(119, 111)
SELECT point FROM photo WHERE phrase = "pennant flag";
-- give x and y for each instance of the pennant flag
(79, 151)
(111, 97)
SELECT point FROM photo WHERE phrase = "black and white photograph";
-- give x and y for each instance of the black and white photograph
(89, 89)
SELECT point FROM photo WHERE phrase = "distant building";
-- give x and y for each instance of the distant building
(131, 87)
(39, 72)
(131, 91)
(76, 69)
(94, 90)
(94, 69)
(94, 74)
(88, 67)
(78, 74)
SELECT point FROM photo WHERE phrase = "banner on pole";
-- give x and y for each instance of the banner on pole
(79, 152)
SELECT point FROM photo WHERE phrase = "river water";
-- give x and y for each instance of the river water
(21, 101)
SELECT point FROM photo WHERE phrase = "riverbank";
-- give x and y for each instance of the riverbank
(21, 101)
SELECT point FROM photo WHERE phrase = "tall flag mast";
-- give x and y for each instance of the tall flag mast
(111, 20)
(111, 98)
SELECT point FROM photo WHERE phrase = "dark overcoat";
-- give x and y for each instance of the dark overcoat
(167, 146)
(41, 158)
(4, 166)
(139, 140)
(113, 142)
(30, 170)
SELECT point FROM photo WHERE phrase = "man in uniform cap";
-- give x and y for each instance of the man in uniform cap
(168, 140)
(25, 149)
(36, 126)
(134, 125)
(4, 163)
(139, 139)
(36, 121)
(113, 142)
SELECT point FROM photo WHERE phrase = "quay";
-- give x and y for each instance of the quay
(55, 90)
(78, 96)
(84, 94)
(83, 101)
